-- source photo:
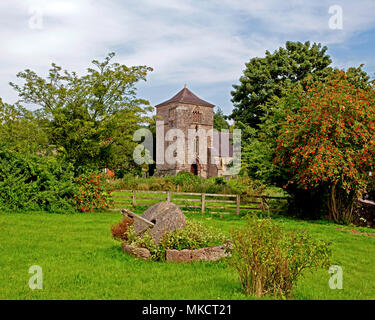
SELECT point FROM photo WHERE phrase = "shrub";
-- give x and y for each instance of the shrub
(92, 195)
(184, 177)
(220, 181)
(35, 182)
(144, 241)
(120, 231)
(270, 260)
(194, 236)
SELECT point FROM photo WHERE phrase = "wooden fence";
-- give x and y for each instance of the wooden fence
(226, 203)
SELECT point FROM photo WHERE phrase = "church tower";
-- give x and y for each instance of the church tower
(186, 111)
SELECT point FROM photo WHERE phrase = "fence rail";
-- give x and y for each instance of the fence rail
(226, 203)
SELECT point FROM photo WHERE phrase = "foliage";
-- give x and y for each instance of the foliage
(269, 77)
(144, 241)
(259, 146)
(270, 260)
(184, 177)
(89, 119)
(220, 181)
(91, 195)
(193, 236)
(120, 230)
(220, 122)
(32, 182)
(329, 141)
(19, 130)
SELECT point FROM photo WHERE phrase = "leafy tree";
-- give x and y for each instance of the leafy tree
(219, 120)
(259, 145)
(329, 141)
(273, 75)
(89, 119)
(19, 130)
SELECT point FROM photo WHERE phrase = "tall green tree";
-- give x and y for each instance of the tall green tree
(273, 75)
(89, 119)
(220, 122)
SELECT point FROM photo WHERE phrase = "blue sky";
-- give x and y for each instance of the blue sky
(202, 43)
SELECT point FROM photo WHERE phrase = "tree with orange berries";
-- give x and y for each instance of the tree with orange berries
(329, 141)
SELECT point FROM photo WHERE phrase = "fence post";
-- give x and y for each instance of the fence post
(238, 200)
(134, 199)
(265, 206)
(203, 202)
(169, 196)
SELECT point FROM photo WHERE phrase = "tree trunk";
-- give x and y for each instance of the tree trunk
(340, 205)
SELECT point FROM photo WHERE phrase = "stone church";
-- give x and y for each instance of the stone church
(188, 113)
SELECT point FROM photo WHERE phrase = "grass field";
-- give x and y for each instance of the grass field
(80, 260)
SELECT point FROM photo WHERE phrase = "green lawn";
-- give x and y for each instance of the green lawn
(81, 261)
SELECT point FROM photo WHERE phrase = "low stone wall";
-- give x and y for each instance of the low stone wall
(186, 255)
(137, 252)
(203, 254)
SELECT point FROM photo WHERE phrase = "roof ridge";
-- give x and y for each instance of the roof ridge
(186, 96)
(184, 93)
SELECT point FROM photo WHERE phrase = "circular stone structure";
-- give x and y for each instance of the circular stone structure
(166, 217)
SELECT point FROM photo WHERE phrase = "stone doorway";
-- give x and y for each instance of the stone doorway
(194, 169)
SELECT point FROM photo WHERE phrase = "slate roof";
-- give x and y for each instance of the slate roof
(186, 96)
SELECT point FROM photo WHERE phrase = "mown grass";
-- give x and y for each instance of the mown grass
(80, 260)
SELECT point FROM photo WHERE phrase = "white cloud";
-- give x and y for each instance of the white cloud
(200, 42)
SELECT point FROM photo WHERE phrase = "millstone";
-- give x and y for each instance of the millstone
(165, 216)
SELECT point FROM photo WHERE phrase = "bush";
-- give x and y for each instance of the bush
(270, 260)
(35, 182)
(120, 231)
(184, 177)
(194, 236)
(144, 241)
(220, 181)
(91, 195)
